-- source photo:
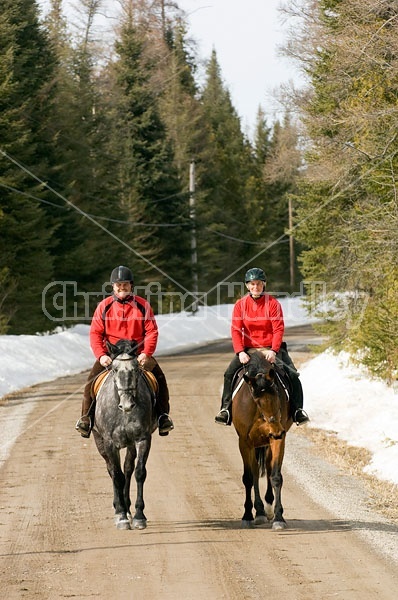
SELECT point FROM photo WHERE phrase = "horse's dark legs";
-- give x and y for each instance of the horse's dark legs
(112, 459)
(248, 458)
(247, 480)
(276, 479)
(258, 504)
(142, 450)
(269, 500)
(119, 482)
(277, 482)
(269, 494)
(129, 465)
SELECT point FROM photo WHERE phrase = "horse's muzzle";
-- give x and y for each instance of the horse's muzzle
(125, 409)
(126, 403)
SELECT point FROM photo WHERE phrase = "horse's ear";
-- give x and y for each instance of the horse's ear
(133, 350)
(112, 349)
(247, 378)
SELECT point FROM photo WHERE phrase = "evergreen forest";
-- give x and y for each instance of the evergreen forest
(114, 151)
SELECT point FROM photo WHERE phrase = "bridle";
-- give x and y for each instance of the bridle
(256, 399)
(131, 389)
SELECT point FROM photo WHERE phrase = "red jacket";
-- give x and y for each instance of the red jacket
(257, 323)
(129, 319)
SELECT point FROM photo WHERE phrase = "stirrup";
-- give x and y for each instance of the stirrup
(223, 417)
(84, 428)
(167, 426)
(304, 418)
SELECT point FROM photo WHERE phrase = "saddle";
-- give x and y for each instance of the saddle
(237, 380)
(152, 382)
(99, 381)
(284, 380)
(281, 374)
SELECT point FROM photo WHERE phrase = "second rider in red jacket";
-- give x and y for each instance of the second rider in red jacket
(257, 322)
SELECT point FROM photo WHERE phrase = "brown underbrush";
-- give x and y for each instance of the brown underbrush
(383, 495)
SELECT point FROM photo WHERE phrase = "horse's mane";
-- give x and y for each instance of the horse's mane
(257, 363)
(261, 374)
(129, 347)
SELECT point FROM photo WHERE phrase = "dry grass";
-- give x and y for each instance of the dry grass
(383, 496)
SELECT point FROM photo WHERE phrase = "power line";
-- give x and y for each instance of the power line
(120, 221)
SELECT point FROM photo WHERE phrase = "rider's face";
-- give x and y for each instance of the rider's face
(255, 287)
(122, 289)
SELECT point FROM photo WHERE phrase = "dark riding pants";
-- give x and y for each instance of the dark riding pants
(283, 361)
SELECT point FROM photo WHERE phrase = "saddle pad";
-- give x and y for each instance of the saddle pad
(238, 387)
(284, 380)
(98, 382)
(152, 381)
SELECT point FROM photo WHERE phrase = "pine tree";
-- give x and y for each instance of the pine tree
(26, 70)
(185, 125)
(281, 170)
(91, 218)
(226, 165)
(347, 205)
(146, 179)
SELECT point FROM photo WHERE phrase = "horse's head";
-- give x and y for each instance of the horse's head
(125, 370)
(261, 379)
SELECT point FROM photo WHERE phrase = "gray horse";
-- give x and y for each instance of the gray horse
(125, 418)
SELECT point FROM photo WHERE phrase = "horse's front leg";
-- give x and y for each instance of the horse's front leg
(247, 479)
(142, 448)
(129, 465)
(111, 456)
(258, 503)
(277, 449)
(269, 494)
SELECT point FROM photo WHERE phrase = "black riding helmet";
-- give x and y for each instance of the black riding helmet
(255, 274)
(122, 274)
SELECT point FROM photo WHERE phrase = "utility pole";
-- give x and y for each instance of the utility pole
(194, 255)
(291, 244)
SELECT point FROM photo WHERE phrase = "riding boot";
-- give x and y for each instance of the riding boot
(162, 407)
(224, 416)
(284, 360)
(85, 423)
(296, 401)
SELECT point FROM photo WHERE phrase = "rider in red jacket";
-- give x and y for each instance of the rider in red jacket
(124, 316)
(257, 322)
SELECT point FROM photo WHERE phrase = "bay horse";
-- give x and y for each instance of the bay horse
(261, 417)
(125, 418)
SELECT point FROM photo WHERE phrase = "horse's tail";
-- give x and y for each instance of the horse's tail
(260, 455)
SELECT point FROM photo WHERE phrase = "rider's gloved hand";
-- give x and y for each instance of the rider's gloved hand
(243, 357)
(105, 360)
(270, 355)
(142, 359)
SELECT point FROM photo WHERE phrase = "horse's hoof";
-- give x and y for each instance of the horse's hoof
(260, 520)
(123, 524)
(247, 524)
(139, 523)
(278, 525)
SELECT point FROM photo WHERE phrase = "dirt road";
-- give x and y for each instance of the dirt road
(58, 540)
